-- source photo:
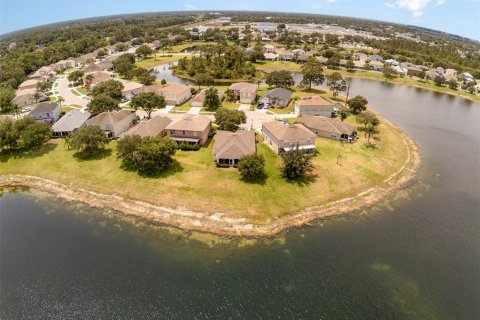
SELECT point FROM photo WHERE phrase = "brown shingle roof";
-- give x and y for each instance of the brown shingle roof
(150, 128)
(190, 123)
(288, 131)
(314, 101)
(326, 124)
(174, 88)
(109, 117)
(244, 87)
(234, 145)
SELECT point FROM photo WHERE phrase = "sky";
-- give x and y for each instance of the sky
(460, 17)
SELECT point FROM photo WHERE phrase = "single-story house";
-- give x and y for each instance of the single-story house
(131, 89)
(360, 64)
(105, 65)
(375, 57)
(190, 129)
(244, 92)
(268, 48)
(431, 74)
(278, 97)
(451, 72)
(98, 77)
(466, 76)
(29, 84)
(27, 96)
(298, 51)
(376, 65)
(392, 62)
(285, 55)
(230, 147)
(414, 71)
(315, 106)
(359, 56)
(329, 128)
(113, 123)
(40, 74)
(282, 137)
(149, 128)
(46, 112)
(270, 56)
(322, 60)
(65, 64)
(70, 122)
(87, 58)
(440, 71)
(175, 94)
(93, 67)
(199, 99)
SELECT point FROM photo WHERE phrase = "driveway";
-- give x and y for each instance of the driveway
(194, 110)
(69, 96)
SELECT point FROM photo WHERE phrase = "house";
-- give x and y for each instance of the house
(360, 64)
(466, 77)
(440, 71)
(131, 89)
(199, 99)
(399, 70)
(175, 94)
(270, 56)
(113, 123)
(376, 65)
(70, 122)
(105, 65)
(329, 128)
(64, 64)
(282, 137)
(190, 129)
(451, 72)
(98, 77)
(29, 84)
(431, 74)
(268, 48)
(46, 112)
(322, 60)
(148, 128)
(303, 57)
(415, 71)
(94, 67)
(277, 97)
(298, 51)
(375, 57)
(230, 147)
(392, 62)
(87, 58)
(244, 92)
(285, 55)
(315, 106)
(359, 56)
(40, 74)
(28, 96)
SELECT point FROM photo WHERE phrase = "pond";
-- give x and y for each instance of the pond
(413, 256)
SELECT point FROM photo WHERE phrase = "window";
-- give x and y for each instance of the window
(308, 140)
(285, 143)
(172, 131)
(183, 132)
(333, 135)
(195, 133)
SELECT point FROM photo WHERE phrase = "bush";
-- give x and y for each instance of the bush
(252, 167)
(185, 146)
(25, 133)
(296, 164)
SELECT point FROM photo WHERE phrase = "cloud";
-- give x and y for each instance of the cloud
(189, 6)
(317, 6)
(417, 7)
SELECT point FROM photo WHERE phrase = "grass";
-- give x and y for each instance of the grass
(151, 62)
(184, 107)
(82, 90)
(184, 185)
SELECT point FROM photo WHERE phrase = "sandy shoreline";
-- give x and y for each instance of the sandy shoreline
(219, 223)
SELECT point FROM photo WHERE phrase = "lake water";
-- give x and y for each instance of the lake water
(414, 256)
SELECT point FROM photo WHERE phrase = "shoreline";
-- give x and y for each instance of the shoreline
(219, 223)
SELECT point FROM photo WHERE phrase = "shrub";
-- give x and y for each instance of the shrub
(252, 167)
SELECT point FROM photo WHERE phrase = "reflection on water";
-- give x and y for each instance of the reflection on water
(416, 255)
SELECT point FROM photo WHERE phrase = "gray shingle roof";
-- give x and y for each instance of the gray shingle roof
(74, 119)
(45, 107)
(326, 124)
(234, 145)
(278, 93)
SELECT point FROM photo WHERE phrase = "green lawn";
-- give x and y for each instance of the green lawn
(184, 107)
(184, 184)
(151, 62)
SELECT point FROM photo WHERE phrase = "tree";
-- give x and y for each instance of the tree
(350, 65)
(280, 79)
(148, 101)
(76, 76)
(143, 51)
(439, 80)
(343, 113)
(336, 83)
(102, 103)
(357, 104)
(453, 84)
(212, 101)
(8, 134)
(88, 140)
(296, 163)
(111, 88)
(312, 71)
(25, 133)
(124, 65)
(333, 62)
(60, 99)
(370, 131)
(88, 80)
(332, 39)
(252, 167)
(43, 86)
(149, 155)
(388, 72)
(163, 82)
(144, 76)
(7, 94)
(202, 79)
(229, 120)
(367, 118)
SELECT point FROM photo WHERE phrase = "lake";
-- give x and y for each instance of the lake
(416, 255)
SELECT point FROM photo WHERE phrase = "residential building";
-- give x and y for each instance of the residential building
(29, 84)
(199, 99)
(113, 123)
(98, 77)
(93, 67)
(28, 96)
(415, 71)
(268, 48)
(375, 57)
(64, 64)
(149, 128)
(244, 92)
(190, 129)
(131, 89)
(322, 60)
(282, 137)
(285, 55)
(270, 56)
(70, 122)
(105, 65)
(277, 97)
(329, 128)
(230, 147)
(315, 106)
(359, 56)
(376, 65)
(360, 64)
(175, 94)
(46, 112)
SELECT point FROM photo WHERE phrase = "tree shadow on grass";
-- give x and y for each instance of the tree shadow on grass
(313, 90)
(259, 181)
(100, 154)
(44, 149)
(303, 181)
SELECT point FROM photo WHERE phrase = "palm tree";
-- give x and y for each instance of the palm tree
(60, 99)
(370, 131)
(88, 80)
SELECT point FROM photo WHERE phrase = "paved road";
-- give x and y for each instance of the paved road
(69, 96)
